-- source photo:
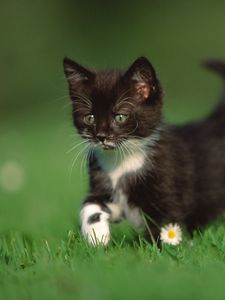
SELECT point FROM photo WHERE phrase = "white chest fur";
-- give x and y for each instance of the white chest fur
(130, 164)
(118, 163)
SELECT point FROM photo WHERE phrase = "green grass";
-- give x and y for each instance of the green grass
(43, 256)
(71, 269)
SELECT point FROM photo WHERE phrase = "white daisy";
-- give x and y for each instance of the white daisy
(171, 234)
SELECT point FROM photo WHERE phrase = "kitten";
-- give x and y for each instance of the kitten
(140, 163)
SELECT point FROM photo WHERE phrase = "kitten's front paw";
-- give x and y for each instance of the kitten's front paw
(95, 225)
(97, 234)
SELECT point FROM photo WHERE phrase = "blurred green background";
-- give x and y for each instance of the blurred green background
(37, 193)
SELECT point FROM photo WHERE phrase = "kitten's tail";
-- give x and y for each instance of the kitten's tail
(219, 67)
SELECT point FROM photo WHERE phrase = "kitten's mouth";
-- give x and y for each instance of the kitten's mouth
(107, 145)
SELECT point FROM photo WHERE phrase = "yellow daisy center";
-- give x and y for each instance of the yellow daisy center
(172, 234)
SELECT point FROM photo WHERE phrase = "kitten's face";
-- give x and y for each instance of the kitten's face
(111, 107)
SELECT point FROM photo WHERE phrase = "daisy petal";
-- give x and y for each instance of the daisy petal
(171, 234)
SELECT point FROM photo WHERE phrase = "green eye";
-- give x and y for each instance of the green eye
(120, 118)
(89, 119)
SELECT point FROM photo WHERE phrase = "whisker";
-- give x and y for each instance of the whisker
(83, 99)
(134, 128)
(81, 109)
(119, 152)
(80, 100)
(122, 151)
(124, 100)
(84, 159)
(128, 102)
(129, 151)
(75, 159)
(123, 94)
(136, 147)
(92, 153)
(66, 105)
(62, 98)
(116, 160)
(77, 145)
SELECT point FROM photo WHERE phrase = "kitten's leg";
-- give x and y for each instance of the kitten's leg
(95, 220)
(95, 223)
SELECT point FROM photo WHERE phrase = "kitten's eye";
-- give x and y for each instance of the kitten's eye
(120, 118)
(89, 119)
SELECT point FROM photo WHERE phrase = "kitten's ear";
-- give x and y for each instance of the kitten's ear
(142, 79)
(75, 73)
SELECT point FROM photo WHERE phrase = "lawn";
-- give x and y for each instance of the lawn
(43, 256)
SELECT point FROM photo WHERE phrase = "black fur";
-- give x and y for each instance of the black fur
(94, 218)
(183, 179)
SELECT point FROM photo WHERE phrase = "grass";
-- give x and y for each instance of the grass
(71, 269)
(43, 256)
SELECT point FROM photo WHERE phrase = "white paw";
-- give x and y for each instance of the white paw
(97, 234)
(95, 224)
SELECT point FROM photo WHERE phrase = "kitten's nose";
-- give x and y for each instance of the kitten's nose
(101, 137)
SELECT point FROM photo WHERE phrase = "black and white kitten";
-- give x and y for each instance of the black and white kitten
(139, 163)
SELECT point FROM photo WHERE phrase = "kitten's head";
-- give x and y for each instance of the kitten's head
(111, 107)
